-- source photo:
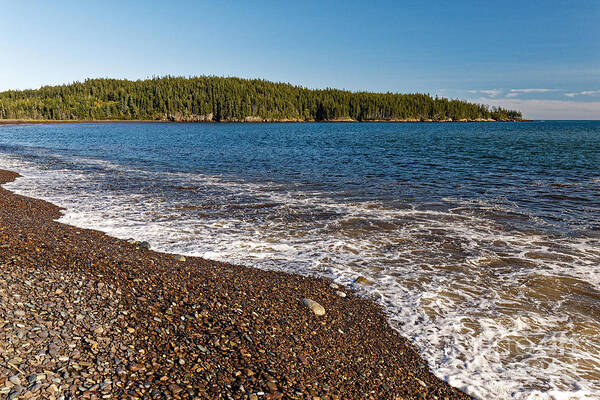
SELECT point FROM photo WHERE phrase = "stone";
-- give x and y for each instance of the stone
(35, 387)
(15, 380)
(334, 286)
(175, 388)
(15, 393)
(314, 306)
(340, 293)
(135, 367)
(361, 280)
(145, 245)
(421, 382)
(179, 258)
(272, 387)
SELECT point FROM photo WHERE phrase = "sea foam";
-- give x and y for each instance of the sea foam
(490, 308)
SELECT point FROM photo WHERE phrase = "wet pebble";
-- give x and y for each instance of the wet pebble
(361, 280)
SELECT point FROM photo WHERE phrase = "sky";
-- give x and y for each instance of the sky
(541, 57)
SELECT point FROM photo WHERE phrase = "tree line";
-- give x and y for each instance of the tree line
(209, 98)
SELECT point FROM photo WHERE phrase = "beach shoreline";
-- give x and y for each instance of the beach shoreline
(90, 315)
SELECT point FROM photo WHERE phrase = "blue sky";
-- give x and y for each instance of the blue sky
(542, 57)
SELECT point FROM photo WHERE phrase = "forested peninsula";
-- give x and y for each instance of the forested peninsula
(218, 99)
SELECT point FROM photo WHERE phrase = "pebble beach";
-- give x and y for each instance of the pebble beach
(87, 316)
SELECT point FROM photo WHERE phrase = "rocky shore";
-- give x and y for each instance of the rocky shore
(87, 316)
(205, 119)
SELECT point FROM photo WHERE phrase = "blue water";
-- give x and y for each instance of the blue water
(482, 238)
(545, 169)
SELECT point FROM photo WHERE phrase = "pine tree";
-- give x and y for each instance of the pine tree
(228, 99)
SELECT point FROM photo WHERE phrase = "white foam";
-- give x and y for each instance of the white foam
(436, 272)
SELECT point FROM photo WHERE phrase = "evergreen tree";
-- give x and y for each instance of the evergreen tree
(229, 99)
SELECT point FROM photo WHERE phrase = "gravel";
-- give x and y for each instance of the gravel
(87, 316)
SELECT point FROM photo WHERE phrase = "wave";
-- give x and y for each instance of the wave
(497, 311)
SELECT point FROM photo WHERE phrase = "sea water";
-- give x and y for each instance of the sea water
(482, 240)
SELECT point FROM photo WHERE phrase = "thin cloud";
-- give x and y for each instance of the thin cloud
(491, 92)
(584, 93)
(512, 94)
(532, 90)
(547, 109)
(487, 92)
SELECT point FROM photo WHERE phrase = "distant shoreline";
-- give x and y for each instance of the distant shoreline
(104, 121)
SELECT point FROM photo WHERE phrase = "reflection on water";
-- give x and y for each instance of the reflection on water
(490, 265)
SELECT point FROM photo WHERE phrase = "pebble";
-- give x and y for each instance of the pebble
(340, 293)
(314, 306)
(135, 367)
(35, 387)
(362, 281)
(99, 330)
(91, 317)
(421, 382)
(15, 393)
(15, 380)
(175, 389)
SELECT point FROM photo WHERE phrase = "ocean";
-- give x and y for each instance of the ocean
(482, 240)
